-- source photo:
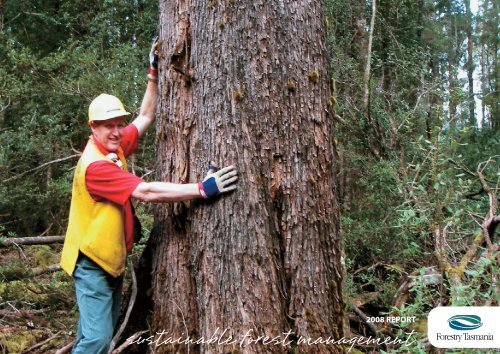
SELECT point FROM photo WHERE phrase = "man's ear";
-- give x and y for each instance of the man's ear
(92, 126)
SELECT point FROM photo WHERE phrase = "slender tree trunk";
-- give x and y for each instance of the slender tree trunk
(357, 47)
(247, 84)
(369, 58)
(484, 65)
(417, 85)
(2, 9)
(433, 113)
(453, 54)
(452, 84)
(494, 79)
(470, 64)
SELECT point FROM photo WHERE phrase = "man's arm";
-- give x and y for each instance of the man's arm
(148, 107)
(215, 183)
(166, 192)
(147, 113)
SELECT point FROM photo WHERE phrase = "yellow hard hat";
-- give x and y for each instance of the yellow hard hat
(105, 107)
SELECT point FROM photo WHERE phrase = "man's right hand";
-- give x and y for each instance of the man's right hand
(219, 181)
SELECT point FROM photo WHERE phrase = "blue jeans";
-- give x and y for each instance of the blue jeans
(99, 296)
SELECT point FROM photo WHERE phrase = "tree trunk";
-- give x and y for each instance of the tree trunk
(369, 59)
(494, 79)
(2, 9)
(453, 64)
(247, 84)
(470, 65)
(433, 113)
(484, 65)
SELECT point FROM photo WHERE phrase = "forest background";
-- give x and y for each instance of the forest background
(417, 133)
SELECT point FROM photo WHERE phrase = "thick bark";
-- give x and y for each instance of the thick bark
(247, 84)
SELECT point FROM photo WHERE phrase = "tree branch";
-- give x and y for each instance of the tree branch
(486, 187)
(40, 167)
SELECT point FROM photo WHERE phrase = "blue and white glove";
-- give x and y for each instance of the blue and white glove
(218, 181)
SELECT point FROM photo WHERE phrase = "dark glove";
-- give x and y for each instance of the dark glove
(153, 54)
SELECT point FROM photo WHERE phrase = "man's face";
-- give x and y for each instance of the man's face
(109, 132)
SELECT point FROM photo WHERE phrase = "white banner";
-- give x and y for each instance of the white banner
(464, 327)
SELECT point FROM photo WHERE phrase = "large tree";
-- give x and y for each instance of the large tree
(247, 83)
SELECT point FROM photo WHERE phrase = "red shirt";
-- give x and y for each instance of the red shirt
(105, 180)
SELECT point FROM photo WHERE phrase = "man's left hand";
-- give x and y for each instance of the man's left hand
(219, 181)
(153, 54)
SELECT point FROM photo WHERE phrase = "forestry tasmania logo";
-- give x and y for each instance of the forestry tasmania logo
(464, 327)
(465, 322)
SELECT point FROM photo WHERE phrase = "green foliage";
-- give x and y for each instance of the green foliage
(480, 285)
(13, 271)
(409, 159)
(54, 58)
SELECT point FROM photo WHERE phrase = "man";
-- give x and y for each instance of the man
(100, 227)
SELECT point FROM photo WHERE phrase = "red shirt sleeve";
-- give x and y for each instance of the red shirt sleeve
(105, 180)
(130, 139)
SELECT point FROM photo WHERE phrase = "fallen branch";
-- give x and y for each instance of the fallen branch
(426, 276)
(42, 240)
(42, 270)
(368, 267)
(131, 303)
(128, 342)
(66, 349)
(41, 344)
(492, 220)
(24, 313)
(363, 317)
(24, 272)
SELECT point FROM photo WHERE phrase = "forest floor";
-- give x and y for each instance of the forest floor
(38, 313)
(34, 309)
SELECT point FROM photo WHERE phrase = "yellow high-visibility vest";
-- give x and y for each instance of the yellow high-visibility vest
(94, 228)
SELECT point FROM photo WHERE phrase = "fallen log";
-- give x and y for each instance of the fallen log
(40, 240)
